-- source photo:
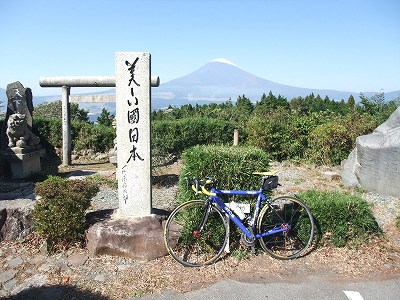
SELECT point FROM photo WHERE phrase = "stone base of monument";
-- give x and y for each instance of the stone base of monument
(23, 162)
(139, 238)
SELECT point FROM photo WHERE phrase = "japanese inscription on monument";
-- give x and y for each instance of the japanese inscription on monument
(133, 82)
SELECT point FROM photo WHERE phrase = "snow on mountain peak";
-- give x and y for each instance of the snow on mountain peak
(225, 61)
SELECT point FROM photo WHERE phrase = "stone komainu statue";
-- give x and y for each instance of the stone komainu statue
(18, 132)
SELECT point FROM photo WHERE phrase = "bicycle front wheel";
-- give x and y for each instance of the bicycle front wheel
(196, 233)
(289, 213)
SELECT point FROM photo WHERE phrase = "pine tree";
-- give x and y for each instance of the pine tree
(105, 118)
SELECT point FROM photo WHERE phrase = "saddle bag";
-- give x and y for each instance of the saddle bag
(270, 183)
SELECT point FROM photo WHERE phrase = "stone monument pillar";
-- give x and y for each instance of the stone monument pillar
(20, 148)
(133, 102)
(134, 231)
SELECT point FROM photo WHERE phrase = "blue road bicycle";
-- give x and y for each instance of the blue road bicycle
(196, 231)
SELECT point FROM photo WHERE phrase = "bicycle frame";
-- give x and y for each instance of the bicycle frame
(260, 198)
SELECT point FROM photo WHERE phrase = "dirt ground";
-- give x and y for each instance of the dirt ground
(126, 278)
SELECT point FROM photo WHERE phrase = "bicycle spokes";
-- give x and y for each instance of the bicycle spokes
(195, 233)
(288, 225)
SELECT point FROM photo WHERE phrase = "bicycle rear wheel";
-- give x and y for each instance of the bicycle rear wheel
(196, 233)
(293, 213)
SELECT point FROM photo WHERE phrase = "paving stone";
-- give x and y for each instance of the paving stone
(37, 259)
(3, 293)
(7, 275)
(123, 267)
(15, 261)
(101, 277)
(9, 285)
(331, 175)
(33, 281)
(77, 259)
(45, 267)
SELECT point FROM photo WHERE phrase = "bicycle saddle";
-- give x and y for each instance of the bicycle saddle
(270, 173)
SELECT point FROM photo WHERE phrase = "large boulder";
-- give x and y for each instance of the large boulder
(139, 238)
(375, 162)
(16, 204)
(16, 219)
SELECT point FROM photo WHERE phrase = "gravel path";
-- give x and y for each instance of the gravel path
(163, 198)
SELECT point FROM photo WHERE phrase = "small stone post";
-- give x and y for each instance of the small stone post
(236, 137)
(133, 106)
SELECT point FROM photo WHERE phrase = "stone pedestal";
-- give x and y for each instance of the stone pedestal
(139, 238)
(23, 162)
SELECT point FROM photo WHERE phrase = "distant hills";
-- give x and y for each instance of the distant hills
(216, 81)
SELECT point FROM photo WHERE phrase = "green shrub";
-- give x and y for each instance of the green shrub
(359, 124)
(343, 219)
(296, 138)
(84, 135)
(174, 136)
(268, 135)
(231, 166)
(59, 216)
(100, 138)
(49, 131)
(329, 144)
(282, 134)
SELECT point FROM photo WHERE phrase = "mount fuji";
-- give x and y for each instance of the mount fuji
(221, 79)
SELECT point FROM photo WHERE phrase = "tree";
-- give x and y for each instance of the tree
(373, 105)
(272, 102)
(244, 103)
(53, 110)
(105, 118)
(351, 102)
(78, 114)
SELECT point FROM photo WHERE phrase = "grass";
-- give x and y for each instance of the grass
(105, 181)
(342, 219)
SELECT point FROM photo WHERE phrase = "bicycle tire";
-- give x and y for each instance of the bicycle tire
(293, 242)
(186, 243)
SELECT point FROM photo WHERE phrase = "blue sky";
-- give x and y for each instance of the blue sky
(342, 45)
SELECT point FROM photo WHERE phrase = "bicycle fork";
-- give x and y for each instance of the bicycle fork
(200, 227)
